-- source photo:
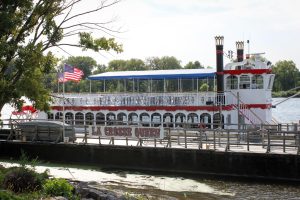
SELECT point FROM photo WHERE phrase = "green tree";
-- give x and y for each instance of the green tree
(287, 75)
(194, 65)
(29, 30)
(166, 62)
(126, 65)
(116, 65)
(99, 68)
(135, 65)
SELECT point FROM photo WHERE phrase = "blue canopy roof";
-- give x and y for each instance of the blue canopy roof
(156, 74)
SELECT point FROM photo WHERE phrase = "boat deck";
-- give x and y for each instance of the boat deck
(278, 142)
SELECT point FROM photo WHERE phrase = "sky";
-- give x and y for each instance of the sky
(186, 29)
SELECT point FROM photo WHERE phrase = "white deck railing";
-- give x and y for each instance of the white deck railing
(142, 99)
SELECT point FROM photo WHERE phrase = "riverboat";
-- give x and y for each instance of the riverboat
(237, 94)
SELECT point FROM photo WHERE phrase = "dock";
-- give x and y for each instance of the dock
(264, 153)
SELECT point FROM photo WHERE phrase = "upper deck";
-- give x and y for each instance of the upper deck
(139, 99)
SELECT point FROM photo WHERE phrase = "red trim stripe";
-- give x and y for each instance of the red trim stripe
(248, 71)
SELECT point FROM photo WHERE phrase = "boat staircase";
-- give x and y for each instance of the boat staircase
(245, 111)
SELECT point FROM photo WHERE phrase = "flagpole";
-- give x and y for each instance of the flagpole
(63, 103)
(69, 73)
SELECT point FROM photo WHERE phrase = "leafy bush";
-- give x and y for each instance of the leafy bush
(19, 179)
(58, 187)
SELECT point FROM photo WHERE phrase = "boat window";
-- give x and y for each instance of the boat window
(257, 82)
(100, 118)
(179, 119)
(206, 119)
(217, 121)
(59, 115)
(192, 118)
(271, 80)
(110, 118)
(231, 82)
(145, 119)
(244, 82)
(79, 118)
(168, 120)
(89, 118)
(69, 118)
(122, 119)
(50, 115)
(156, 119)
(133, 118)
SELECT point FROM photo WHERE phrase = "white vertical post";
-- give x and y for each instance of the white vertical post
(133, 88)
(164, 96)
(104, 86)
(197, 92)
(214, 83)
(164, 85)
(179, 84)
(207, 85)
(90, 86)
(125, 86)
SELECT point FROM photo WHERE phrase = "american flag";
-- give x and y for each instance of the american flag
(70, 74)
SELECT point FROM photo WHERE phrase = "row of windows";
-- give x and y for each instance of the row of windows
(133, 118)
(244, 82)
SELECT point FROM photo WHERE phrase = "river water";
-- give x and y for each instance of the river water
(183, 188)
(288, 111)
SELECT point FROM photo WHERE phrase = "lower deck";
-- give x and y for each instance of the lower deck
(143, 117)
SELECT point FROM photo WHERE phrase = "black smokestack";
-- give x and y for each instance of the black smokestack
(219, 55)
(240, 51)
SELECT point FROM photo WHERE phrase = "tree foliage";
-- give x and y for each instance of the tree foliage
(287, 75)
(29, 29)
(126, 65)
(194, 65)
(165, 62)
